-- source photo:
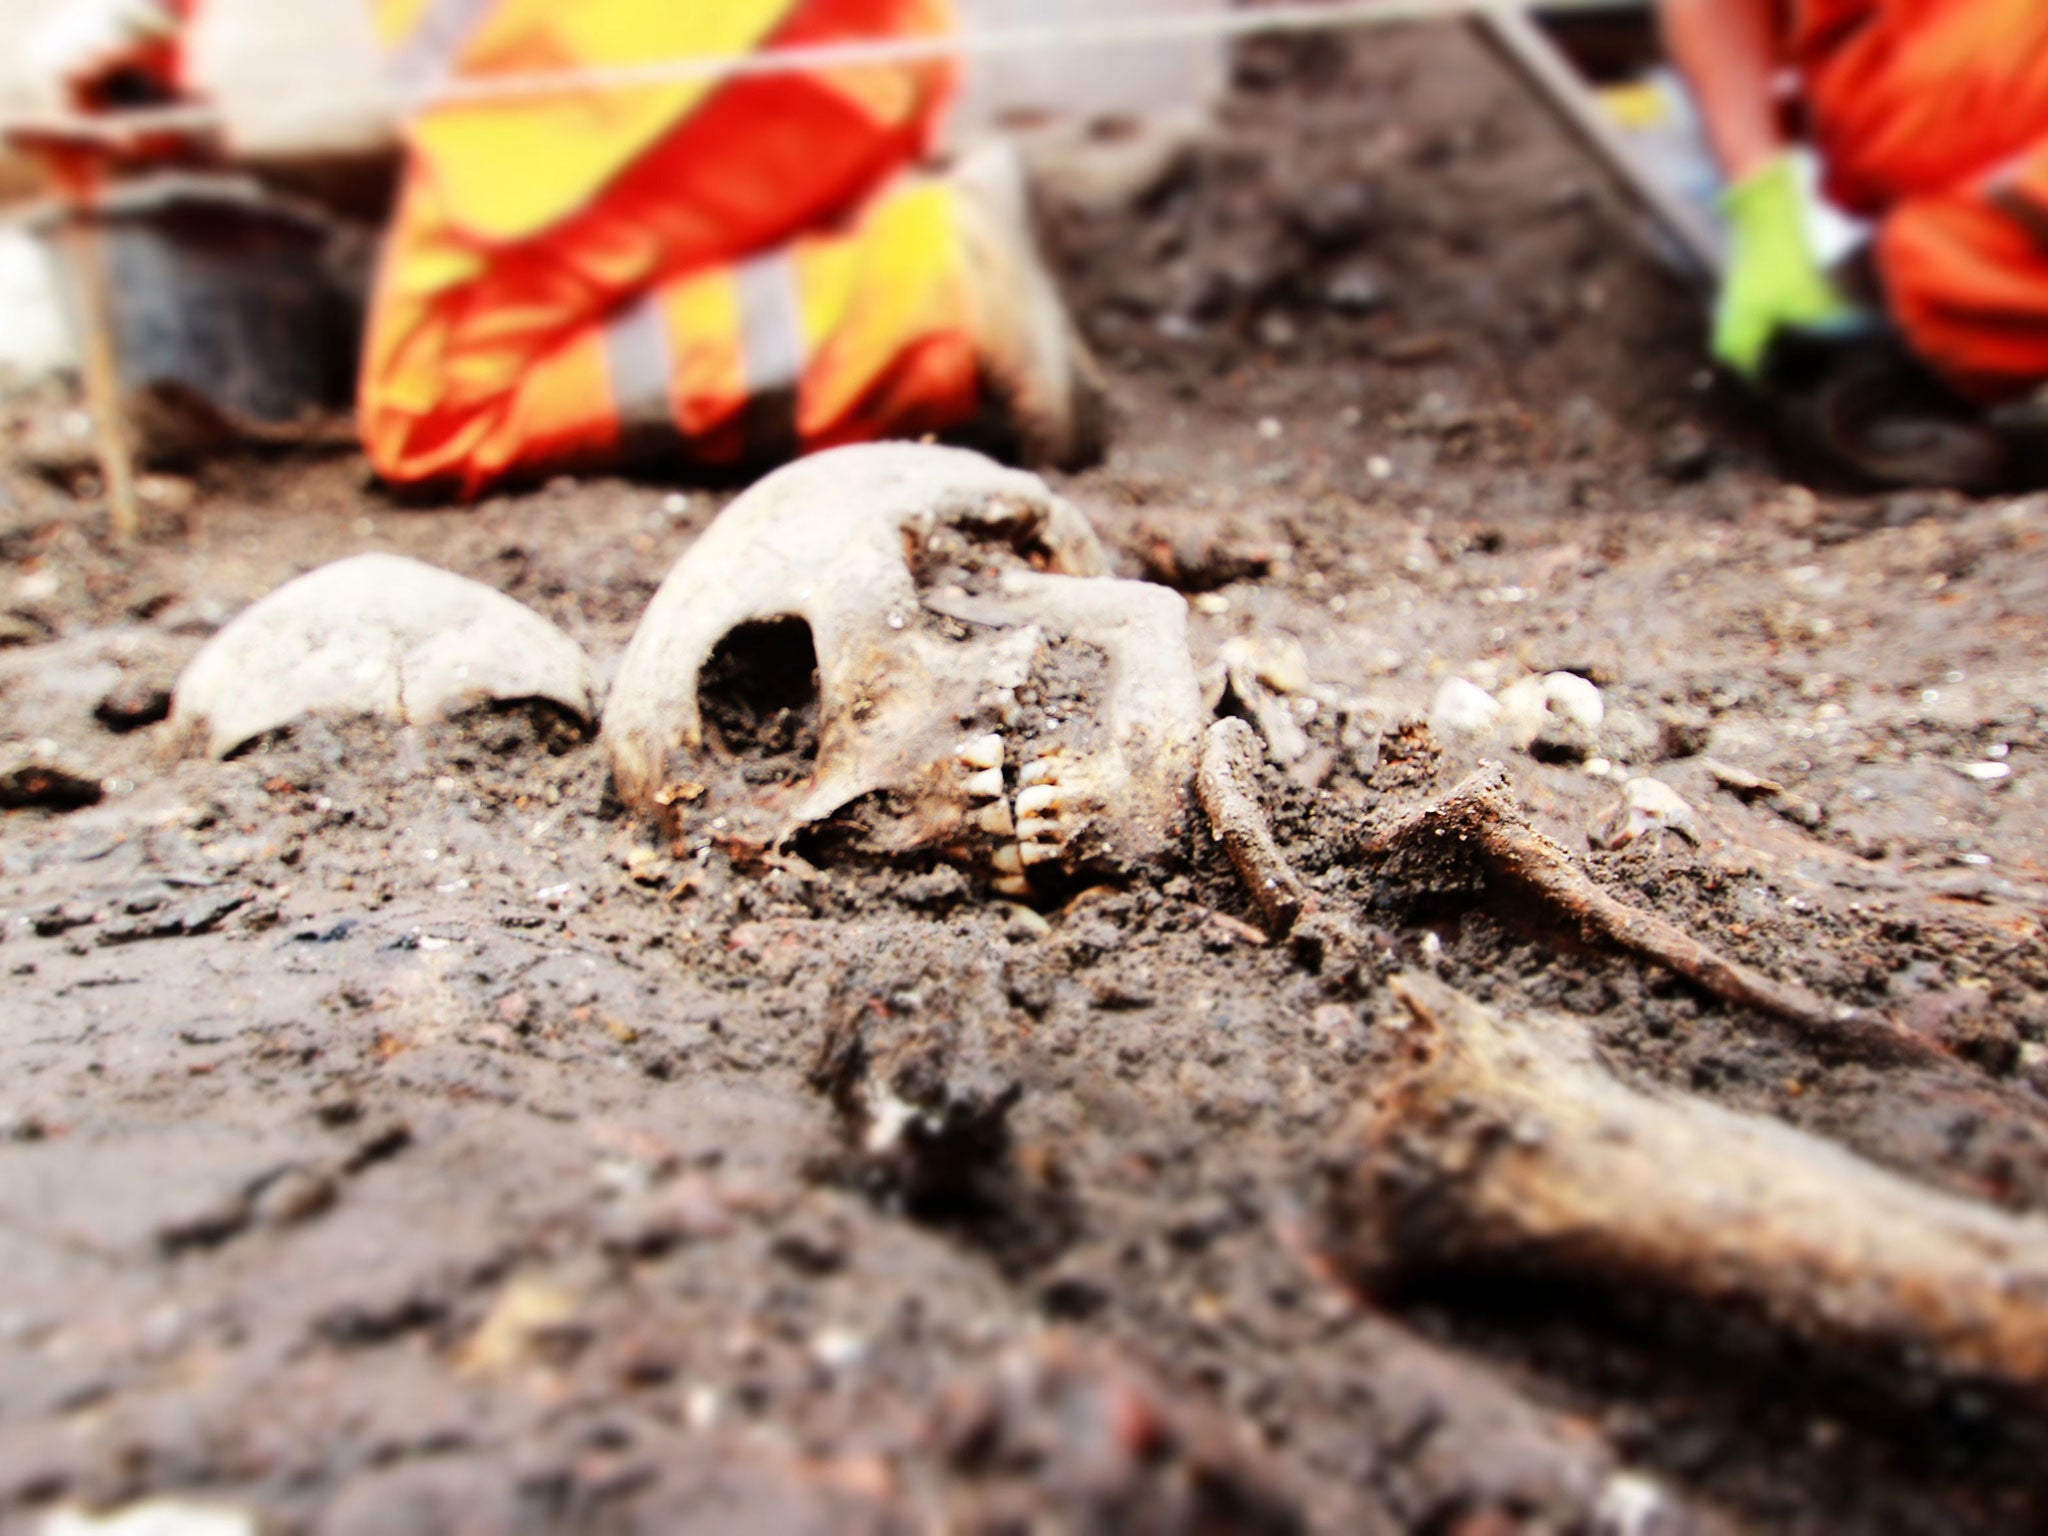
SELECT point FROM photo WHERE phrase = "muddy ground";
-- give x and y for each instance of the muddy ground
(388, 1148)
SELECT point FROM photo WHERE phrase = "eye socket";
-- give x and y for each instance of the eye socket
(758, 695)
(967, 551)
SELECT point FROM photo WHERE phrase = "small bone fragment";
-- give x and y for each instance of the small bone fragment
(1227, 783)
(1259, 676)
(1528, 706)
(374, 634)
(1747, 787)
(1510, 1145)
(1277, 661)
(1649, 808)
(1741, 781)
(1482, 818)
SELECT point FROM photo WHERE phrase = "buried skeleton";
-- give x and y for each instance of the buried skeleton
(715, 719)
(986, 693)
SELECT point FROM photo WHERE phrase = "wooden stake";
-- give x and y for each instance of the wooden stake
(102, 367)
(79, 152)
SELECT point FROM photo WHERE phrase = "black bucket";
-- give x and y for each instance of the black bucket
(222, 291)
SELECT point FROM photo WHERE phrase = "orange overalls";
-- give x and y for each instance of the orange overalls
(1932, 116)
(736, 271)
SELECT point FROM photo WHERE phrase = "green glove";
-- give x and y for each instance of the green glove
(1773, 278)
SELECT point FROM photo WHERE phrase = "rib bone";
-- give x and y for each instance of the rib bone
(1480, 818)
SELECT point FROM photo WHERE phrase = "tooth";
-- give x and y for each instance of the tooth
(1040, 853)
(1012, 885)
(986, 785)
(1039, 797)
(1030, 828)
(1007, 860)
(995, 819)
(983, 751)
(1042, 770)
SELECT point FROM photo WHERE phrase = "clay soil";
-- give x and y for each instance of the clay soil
(391, 1140)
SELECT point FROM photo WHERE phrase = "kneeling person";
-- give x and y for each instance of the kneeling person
(1931, 120)
(726, 272)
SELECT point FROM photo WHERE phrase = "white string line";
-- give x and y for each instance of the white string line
(986, 42)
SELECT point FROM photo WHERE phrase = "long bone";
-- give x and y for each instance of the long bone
(1227, 783)
(1508, 1145)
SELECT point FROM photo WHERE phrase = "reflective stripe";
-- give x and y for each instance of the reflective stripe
(772, 322)
(642, 365)
(640, 356)
(429, 55)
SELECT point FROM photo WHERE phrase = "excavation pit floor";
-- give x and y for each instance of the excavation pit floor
(385, 1145)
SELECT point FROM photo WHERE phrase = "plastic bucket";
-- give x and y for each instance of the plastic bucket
(221, 290)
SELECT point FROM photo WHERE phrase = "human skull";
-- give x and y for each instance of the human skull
(895, 649)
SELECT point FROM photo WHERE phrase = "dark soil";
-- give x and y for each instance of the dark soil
(391, 1140)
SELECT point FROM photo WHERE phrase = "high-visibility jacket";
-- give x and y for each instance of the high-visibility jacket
(744, 267)
(1932, 116)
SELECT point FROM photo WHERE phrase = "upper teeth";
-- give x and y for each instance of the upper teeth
(1028, 825)
(1039, 797)
(983, 751)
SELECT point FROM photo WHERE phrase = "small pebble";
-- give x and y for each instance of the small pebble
(839, 1349)
(1355, 291)
(167, 493)
(39, 586)
(1576, 699)
(296, 1195)
(131, 706)
(1462, 709)
(1556, 715)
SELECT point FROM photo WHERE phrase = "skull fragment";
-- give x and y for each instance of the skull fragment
(895, 650)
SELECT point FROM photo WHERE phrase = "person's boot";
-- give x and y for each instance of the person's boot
(1043, 381)
(1864, 403)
